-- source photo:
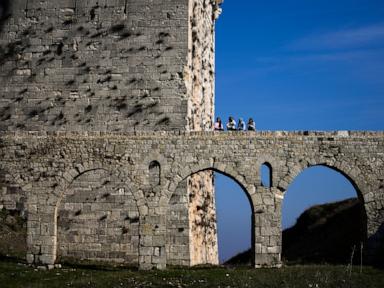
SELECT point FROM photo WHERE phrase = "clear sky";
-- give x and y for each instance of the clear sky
(298, 65)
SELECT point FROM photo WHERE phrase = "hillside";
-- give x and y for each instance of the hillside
(322, 234)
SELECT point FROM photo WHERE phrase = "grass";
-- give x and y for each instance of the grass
(13, 274)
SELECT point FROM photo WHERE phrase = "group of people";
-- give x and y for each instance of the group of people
(231, 125)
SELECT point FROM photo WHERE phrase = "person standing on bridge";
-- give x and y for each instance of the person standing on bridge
(251, 126)
(241, 125)
(231, 125)
(218, 126)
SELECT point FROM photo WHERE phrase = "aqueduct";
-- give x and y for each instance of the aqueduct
(102, 185)
(86, 75)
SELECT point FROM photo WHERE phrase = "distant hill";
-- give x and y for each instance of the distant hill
(322, 234)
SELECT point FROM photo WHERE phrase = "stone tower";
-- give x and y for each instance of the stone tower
(115, 66)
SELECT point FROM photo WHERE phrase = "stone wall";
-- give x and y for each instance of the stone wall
(94, 65)
(116, 65)
(178, 227)
(203, 244)
(201, 65)
(45, 165)
(200, 75)
(12, 197)
(98, 219)
(128, 65)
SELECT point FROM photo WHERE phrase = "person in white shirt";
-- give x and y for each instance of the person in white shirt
(218, 126)
(231, 125)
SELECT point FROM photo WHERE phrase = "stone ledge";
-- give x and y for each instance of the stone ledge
(197, 134)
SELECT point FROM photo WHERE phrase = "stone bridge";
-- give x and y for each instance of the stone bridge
(126, 210)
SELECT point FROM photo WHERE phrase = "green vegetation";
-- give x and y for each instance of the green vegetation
(19, 275)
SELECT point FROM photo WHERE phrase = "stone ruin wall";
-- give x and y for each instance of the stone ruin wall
(94, 65)
(77, 184)
(119, 65)
(97, 220)
(203, 244)
(113, 65)
(198, 241)
(202, 220)
(12, 197)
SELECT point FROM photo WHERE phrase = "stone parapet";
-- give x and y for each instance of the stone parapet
(137, 214)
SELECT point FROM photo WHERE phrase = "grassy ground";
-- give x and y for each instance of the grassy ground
(13, 274)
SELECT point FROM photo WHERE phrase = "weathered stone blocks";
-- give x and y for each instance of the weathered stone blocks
(101, 211)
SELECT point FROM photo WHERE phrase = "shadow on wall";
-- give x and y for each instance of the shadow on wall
(4, 12)
(378, 242)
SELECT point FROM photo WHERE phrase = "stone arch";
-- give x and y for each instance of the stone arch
(226, 169)
(158, 159)
(66, 178)
(270, 173)
(65, 181)
(97, 217)
(297, 168)
(145, 189)
(273, 165)
(177, 230)
(356, 180)
(353, 179)
(154, 173)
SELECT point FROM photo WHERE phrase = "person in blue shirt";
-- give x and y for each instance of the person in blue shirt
(241, 125)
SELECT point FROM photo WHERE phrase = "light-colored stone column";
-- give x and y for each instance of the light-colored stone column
(267, 229)
(152, 250)
(41, 231)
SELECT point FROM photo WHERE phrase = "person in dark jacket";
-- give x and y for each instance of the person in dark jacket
(241, 125)
(251, 126)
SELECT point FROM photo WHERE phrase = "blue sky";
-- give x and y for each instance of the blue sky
(302, 65)
(298, 65)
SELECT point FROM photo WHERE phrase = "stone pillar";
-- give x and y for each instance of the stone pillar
(374, 208)
(178, 232)
(152, 250)
(267, 229)
(203, 244)
(200, 81)
(41, 230)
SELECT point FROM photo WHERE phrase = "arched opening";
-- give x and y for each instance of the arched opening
(266, 175)
(98, 220)
(154, 174)
(208, 226)
(4, 11)
(234, 222)
(324, 219)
